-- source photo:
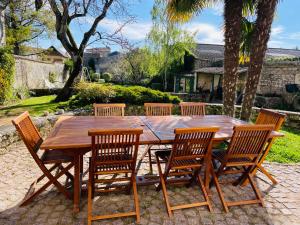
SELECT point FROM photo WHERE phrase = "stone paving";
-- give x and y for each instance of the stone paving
(18, 170)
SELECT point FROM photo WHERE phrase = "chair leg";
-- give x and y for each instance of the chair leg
(264, 171)
(52, 180)
(255, 189)
(57, 184)
(203, 189)
(90, 202)
(136, 201)
(150, 160)
(164, 189)
(220, 193)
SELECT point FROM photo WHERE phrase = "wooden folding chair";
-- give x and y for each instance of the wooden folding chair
(191, 148)
(271, 118)
(109, 109)
(32, 139)
(114, 152)
(192, 108)
(158, 109)
(242, 156)
(155, 109)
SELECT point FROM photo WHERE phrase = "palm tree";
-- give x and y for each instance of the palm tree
(259, 41)
(183, 10)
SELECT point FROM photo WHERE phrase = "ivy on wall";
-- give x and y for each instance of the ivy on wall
(7, 69)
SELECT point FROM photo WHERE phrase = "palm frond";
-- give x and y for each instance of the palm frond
(247, 30)
(184, 10)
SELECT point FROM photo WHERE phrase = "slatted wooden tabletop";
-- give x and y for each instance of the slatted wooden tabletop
(163, 127)
(72, 131)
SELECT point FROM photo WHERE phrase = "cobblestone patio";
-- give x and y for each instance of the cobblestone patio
(18, 170)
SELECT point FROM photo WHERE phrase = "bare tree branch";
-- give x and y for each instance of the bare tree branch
(92, 30)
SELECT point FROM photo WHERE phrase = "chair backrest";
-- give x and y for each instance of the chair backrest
(115, 146)
(248, 141)
(109, 109)
(158, 109)
(192, 143)
(28, 132)
(192, 108)
(270, 117)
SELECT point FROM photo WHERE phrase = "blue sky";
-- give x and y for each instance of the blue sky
(208, 25)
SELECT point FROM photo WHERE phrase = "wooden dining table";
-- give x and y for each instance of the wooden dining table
(70, 133)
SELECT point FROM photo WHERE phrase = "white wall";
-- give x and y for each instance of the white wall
(34, 74)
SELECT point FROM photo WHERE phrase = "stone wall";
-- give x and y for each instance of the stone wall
(292, 118)
(35, 74)
(275, 75)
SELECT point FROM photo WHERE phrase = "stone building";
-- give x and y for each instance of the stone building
(102, 58)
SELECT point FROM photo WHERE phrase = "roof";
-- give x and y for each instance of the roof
(54, 51)
(216, 52)
(217, 70)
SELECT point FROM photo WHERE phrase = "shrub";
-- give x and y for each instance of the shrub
(52, 77)
(69, 64)
(107, 77)
(88, 93)
(7, 69)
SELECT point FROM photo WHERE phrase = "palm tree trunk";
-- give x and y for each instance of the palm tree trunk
(261, 36)
(233, 18)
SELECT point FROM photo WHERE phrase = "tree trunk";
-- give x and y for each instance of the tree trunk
(261, 36)
(17, 49)
(233, 18)
(2, 27)
(66, 92)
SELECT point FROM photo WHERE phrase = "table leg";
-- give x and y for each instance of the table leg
(77, 187)
(207, 174)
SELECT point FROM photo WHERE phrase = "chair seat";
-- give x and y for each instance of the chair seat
(219, 154)
(165, 155)
(114, 167)
(55, 156)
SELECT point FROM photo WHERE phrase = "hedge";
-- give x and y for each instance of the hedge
(88, 93)
(7, 69)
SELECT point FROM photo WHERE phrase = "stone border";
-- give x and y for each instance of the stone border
(9, 135)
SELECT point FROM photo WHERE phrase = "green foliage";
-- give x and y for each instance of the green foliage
(106, 77)
(168, 42)
(137, 66)
(92, 92)
(285, 149)
(7, 69)
(88, 93)
(25, 24)
(69, 64)
(52, 77)
(95, 77)
(21, 92)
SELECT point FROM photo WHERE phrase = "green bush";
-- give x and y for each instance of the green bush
(107, 77)
(7, 69)
(69, 64)
(88, 93)
(52, 77)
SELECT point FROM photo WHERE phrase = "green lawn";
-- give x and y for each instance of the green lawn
(284, 150)
(287, 148)
(35, 105)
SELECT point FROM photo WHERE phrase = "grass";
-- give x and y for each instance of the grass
(284, 150)
(287, 148)
(35, 105)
